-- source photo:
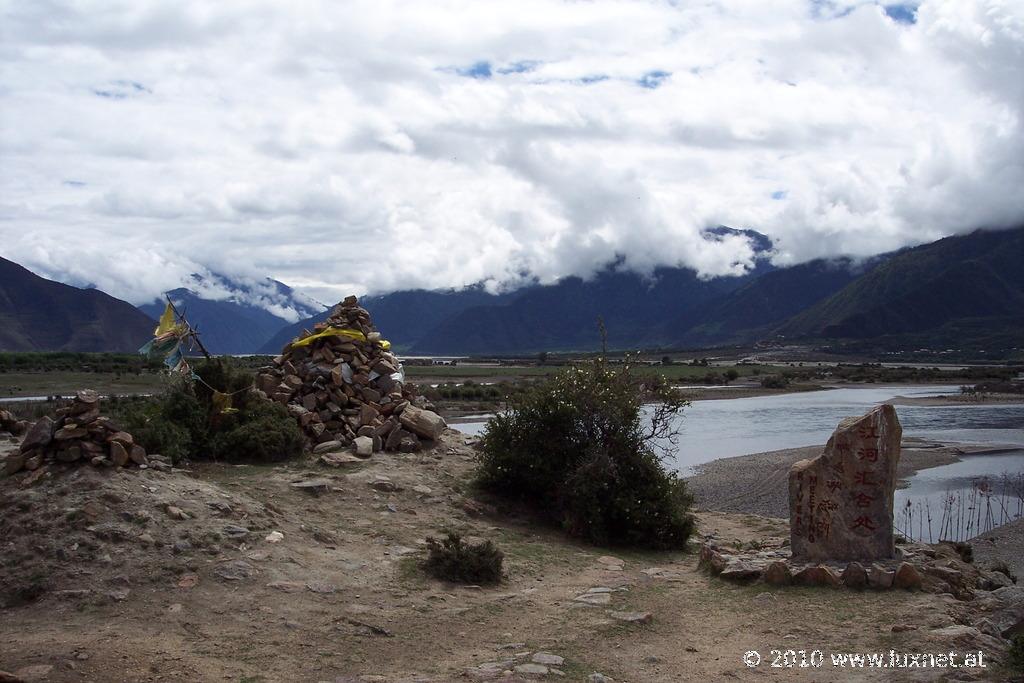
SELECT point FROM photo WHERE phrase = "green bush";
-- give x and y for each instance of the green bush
(774, 382)
(578, 448)
(183, 421)
(264, 433)
(455, 560)
(1015, 657)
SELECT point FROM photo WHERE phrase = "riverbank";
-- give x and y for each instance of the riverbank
(757, 483)
(960, 400)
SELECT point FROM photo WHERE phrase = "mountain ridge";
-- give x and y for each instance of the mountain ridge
(38, 314)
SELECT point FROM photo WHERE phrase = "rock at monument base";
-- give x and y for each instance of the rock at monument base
(880, 577)
(841, 502)
(907, 577)
(855, 576)
(817, 576)
(740, 570)
(778, 574)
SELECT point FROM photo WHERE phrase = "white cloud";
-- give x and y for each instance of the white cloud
(370, 146)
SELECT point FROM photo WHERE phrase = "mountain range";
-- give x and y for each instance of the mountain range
(965, 291)
(242, 317)
(38, 314)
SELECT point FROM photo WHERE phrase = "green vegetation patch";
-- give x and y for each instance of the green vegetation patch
(578, 449)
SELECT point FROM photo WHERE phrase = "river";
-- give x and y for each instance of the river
(723, 428)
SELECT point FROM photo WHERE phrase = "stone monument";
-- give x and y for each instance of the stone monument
(840, 503)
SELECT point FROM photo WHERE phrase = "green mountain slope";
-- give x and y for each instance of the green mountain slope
(979, 276)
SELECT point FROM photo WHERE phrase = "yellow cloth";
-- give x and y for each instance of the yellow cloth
(339, 332)
(166, 321)
(222, 402)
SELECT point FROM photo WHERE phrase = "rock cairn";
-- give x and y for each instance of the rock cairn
(12, 425)
(78, 435)
(346, 388)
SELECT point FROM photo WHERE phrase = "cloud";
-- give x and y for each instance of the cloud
(371, 146)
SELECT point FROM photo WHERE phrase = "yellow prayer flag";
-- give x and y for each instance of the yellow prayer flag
(166, 321)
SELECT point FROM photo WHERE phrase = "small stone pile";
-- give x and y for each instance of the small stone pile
(78, 435)
(346, 388)
(12, 425)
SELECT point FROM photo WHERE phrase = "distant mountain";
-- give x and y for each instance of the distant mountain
(404, 316)
(636, 311)
(235, 316)
(967, 282)
(751, 311)
(564, 316)
(37, 314)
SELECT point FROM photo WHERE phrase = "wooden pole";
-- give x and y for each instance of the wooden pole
(192, 333)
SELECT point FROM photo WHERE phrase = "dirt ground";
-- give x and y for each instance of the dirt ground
(150, 576)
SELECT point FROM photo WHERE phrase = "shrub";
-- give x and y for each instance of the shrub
(183, 421)
(264, 432)
(1015, 657)
(774, 382)
(455, 560)
(579, 448)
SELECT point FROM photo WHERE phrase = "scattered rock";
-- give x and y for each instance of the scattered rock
(855, 576)
(594, 598)
(778, 574)
(314, 486)
(274, 537)
(188, 581)
(321, 587)
(176, 512)
(235, 570)
(531, 669)
(907, 577)
(287, 586)
(340, 459)
(817, 575)
(547, 659)
(633, 617)
(880, 577)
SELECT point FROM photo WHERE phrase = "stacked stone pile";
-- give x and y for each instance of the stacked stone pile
(346, 388)
(78, 435)
(12, 425)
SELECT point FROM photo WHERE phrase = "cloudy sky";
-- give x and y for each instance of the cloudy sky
(371, 146)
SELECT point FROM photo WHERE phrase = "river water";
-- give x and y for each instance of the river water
(724, 428)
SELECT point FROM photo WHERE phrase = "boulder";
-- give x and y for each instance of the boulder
(778, 574)
(841, 502)
(907, 577)
(363, 446)
(880, 577)
(118, 453)
(424, 423)
(855, 576)
(817, 575)
(39, 435)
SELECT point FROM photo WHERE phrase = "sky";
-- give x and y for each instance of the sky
(369, 146)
